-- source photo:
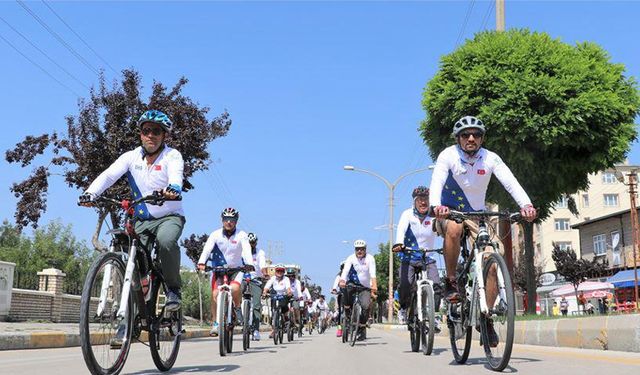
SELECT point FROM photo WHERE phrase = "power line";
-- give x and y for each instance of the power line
(464, 24)
(39, 67)
(45, 54)
(58, 38)
(79, 37)
(485, 19)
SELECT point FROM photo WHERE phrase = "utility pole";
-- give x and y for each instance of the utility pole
(499, 15)
(635, 230)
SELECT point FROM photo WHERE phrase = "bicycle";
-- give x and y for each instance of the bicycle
(322, 325)
(247, 313)
(422, 309)
(278, 320)
(114, 299)
(353, 321)
(473, 309)
(225, 314)
(290, 325)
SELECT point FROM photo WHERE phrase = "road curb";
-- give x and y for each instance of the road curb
(54, 339)
(603, 332)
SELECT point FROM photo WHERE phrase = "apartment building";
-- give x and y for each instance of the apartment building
(605, 196)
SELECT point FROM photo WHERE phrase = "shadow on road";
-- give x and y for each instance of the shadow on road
(191, 369)
(485, 363)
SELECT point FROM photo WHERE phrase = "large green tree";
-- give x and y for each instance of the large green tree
(382, 271)
(105, 128)
(554, 112)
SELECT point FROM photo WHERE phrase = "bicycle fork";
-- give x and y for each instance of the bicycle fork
(423, 282)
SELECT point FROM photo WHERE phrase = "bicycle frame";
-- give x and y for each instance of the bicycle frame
(423, 281)
(225, 288)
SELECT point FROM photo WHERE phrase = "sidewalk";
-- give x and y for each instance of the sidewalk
(603, 332)
(31, 335)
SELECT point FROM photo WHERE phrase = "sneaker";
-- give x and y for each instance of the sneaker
(451, 291)
(239, 319)
(402, 316)
(256, 335)
(214, 329)
(117, 341)
(493, 336)
(173, 301)
(437, 324)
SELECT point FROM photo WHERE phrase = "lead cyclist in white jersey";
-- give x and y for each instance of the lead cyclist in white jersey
(459, 181)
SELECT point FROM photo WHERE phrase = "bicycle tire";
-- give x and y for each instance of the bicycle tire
(222, 324)
(414, 325)
(246, 329)
(89, 290)
(230, 332)
(428, 324)
(460, 346)
(163, 329)
(276, 326)
(281, 331)
(499, 356)
(355, 320)
(345, 327)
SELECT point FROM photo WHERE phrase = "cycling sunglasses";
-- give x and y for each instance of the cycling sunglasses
(474, 134)
(154, 131)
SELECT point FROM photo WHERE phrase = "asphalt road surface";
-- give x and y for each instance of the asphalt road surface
(384, 352)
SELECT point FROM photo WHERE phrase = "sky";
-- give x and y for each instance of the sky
(310, 87)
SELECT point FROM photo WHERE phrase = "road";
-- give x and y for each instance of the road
(385, 352)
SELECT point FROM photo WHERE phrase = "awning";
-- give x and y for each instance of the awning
(586, 286)
(623, 279)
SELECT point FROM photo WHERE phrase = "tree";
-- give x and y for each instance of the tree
(104, 129)
(193, 246)
(520, 271)
(382, 271)
(555, 113)
(576, 270)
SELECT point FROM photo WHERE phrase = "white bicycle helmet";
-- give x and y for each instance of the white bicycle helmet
(468, 122)
(359, 243)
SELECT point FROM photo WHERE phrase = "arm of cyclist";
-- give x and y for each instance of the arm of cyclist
(345, 273)
(206, 251)
(105, 180)
(403, 224)
(246, 252)
(175, 168)
(267, 286)
(374, 279)
(513, 187)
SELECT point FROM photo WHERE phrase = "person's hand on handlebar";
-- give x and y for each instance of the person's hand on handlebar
(342, 283)
(171, 192)
(528, 212)
(86, 200)
(201, 266)
(397, 248)
(441, 212)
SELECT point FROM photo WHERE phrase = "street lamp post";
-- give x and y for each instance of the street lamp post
(391, 187)
(635, 230)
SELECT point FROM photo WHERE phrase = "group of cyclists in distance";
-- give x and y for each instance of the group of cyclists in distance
(459, 183)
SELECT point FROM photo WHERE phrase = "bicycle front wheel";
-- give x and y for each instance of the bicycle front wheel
(276, 325)
(496, 328)
(414, 326)
(223, 310)
(428, 323)
(459, 333)
(246, 328)
(355, 323)
(166, 329)
(105, 338)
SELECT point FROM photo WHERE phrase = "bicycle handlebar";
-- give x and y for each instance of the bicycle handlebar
(228, 269)
(460, 217)
(156, 199)
(407, 250)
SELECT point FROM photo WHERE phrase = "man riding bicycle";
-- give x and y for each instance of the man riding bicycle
(359, 269)
(321, 309)
(281, 286)
(152, 167)
(296, 292)
(227, 247)
(335, 289)
(415, 232)
(257, 279)
(459, 181)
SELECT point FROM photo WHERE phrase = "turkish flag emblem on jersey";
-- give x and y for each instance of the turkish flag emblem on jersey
(481, 171)
(157, 167)
(427, 222)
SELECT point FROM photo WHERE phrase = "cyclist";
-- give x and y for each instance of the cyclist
(415, 231)
(359, 269)
(296, 294)
(154, 166)
(321, 309)
(305, 302)
(281, 288)
(228, 247)
(459, 181)
(257, 280)
(335, 289)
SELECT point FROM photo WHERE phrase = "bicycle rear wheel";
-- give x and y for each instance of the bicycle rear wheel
(428, 324)
(166, 329)
(355, 322)
(223, 310)
(501, 315)
(104, 353)
(459, 333)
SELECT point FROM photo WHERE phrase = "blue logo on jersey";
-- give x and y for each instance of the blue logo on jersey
(217, 259)
(410, 242)
(454, 197)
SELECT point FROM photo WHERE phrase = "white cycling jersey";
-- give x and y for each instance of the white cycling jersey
(144, 180)
(227, 251)
(460, 181)
(259, 262)
(336, 283)
(279, 286)
(295, 289)
(306, 297)
(359, 271)
(320, 305)
(415, 234)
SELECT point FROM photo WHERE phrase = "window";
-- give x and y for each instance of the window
(611, 200)
(562, 224)
(563, 245)
(599, 244)
(585, 200)
(562, 203)
(609, 178)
